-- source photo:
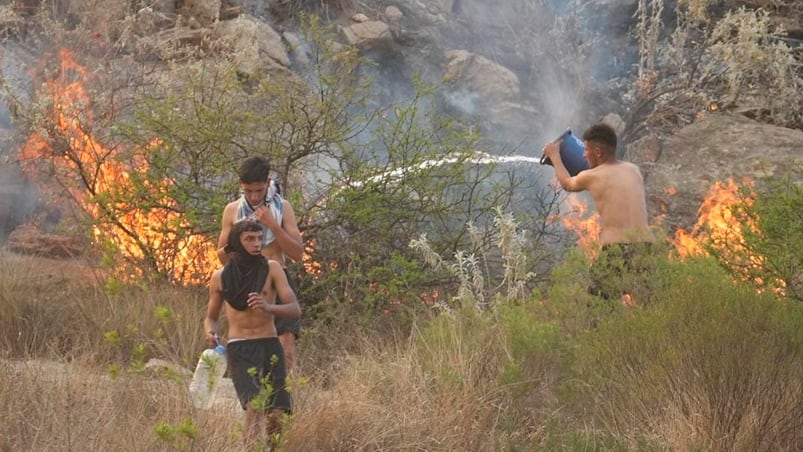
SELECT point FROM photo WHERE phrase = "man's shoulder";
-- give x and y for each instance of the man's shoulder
(274, 265)
(216, 278)
(231, 208)
(218, 271)
(617, 167)
(231, 205)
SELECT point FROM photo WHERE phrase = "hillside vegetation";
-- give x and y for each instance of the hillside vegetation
(709, 364)
(444, 307)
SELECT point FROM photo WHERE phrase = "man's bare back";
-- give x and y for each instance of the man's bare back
(617, 188)
(618, 192)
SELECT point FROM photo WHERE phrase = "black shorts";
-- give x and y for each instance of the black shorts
(288, 325)
(623, 268)
(257, 368)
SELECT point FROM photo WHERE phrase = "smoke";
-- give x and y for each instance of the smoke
(565, 54)
(18, 196)
(561, 51)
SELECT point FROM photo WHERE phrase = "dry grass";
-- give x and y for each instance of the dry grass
(64, 309)
(53, 405)
(467, 381)
(82, 388)
(388, 400)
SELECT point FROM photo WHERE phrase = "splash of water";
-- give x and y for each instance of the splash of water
(477, 158)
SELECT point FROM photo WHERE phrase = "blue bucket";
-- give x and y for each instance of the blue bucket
(571, 153)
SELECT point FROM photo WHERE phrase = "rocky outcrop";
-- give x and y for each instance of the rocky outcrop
(717, 147)
(253, 44)
(368, 34)
(480, 77)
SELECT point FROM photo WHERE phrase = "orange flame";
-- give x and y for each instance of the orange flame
(719, 227)
(311, 266)
(132, 230)
(584, 224)
(715, 221)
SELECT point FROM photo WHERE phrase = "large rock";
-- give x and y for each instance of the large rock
(254, 44)
(490, 82)
(444, 5)
(715, 148)
(369, 34)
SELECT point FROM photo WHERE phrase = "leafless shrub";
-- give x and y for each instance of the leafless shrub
(737, 60)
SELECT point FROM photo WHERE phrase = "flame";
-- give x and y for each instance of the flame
(716, 222)
(585, 225)
(132, 230)
(311, 266)
(720, 227)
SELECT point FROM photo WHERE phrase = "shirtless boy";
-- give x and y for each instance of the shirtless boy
(617, 188)
(281, 238)
(250, 285)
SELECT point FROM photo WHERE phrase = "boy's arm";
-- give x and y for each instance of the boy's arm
(213, 308)
(289, 307)
(225, 228)
(292, 245)
(287, 234)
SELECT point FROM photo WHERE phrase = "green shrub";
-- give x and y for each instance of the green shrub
(711, 364)
(769, 253)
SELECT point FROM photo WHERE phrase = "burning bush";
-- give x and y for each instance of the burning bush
(772, 231)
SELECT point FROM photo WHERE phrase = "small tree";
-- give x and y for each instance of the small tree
(771, 227)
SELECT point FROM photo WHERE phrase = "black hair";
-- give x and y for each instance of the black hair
(603, 135)
(254, 169)
(237, 230)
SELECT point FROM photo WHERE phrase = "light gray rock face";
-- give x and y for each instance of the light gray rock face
(393, 13)
(255, 45)
(372, 33)
(715, 148)
(444, 5)
(475, 74)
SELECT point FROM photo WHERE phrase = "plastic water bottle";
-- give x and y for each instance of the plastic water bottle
(208, 373)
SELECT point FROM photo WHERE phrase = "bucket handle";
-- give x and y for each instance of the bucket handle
(559, 141)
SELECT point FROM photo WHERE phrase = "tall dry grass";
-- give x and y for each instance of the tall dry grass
(708, 365)
(712, 365)
(66, 309)
(55, 405)
(73, 361)
(441, 389)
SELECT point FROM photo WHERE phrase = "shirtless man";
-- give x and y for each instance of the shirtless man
(250, 285)
(281, 238)
(617, 188)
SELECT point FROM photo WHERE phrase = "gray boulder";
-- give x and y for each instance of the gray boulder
(717, 147)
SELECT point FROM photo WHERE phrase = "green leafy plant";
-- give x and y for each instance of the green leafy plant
(770, 218)
(711, 360)
(179, 436)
